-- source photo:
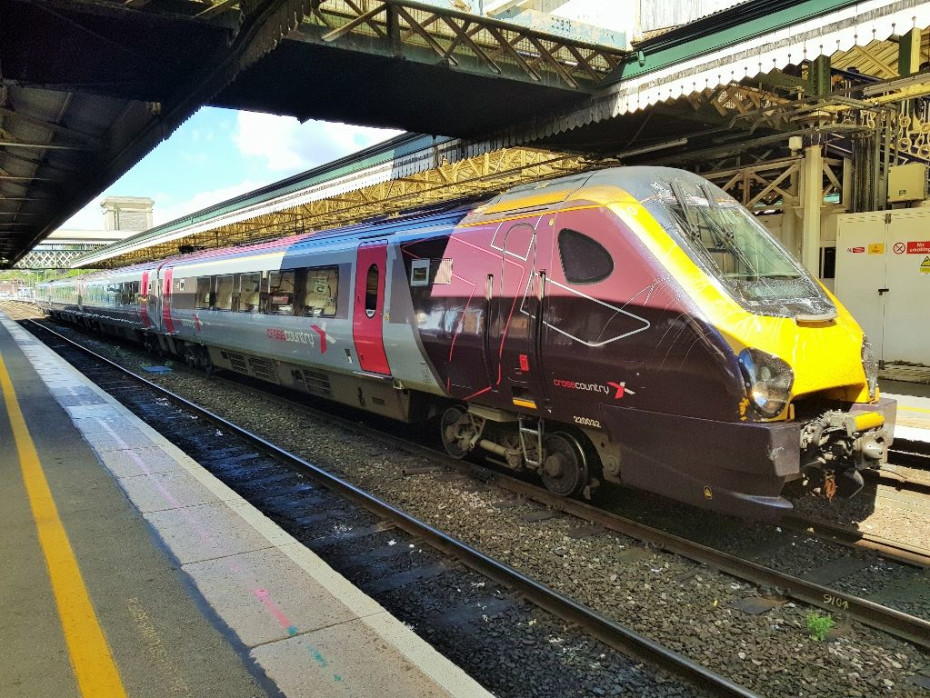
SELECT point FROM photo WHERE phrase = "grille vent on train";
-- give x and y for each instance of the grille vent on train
(237, 363)
(317, 383)
(263, 368)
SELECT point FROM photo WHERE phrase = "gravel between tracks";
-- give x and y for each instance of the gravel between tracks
(680, 604)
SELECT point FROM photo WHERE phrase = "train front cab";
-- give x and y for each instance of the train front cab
(809, 407)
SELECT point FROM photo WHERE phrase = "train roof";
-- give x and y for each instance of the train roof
(542, 194)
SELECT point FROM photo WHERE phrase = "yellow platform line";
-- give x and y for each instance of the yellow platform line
(914, 409)
(90, 654)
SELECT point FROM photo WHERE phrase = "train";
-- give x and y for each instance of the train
(633, 325)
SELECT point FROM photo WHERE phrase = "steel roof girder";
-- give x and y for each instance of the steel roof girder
(394, 27)
(437, 55)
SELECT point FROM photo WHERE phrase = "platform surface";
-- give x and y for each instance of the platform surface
(913, 418)
(193, 591)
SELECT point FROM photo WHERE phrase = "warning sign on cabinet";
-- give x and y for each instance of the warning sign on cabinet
(877, 248)
(918, 247)
(925, 266)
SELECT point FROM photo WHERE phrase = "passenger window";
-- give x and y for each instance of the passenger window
(371, 291)
(584, 260)
(204, 285)
(281, 292)
(320, 288)
(250, 284)
(224, 292)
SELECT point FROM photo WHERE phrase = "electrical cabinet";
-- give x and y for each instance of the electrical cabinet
(883, 278)
(907, 183)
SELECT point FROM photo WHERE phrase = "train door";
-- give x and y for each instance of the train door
(516, 307)
(167, 322)
(368, 315)
(143, 297)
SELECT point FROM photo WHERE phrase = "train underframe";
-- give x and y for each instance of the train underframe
(740, 468)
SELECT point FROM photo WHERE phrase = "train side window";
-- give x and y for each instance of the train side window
(320, 291)
(584, 260)
(249, 287)
(224, 292)
(281, 292)
(371, 290)
(204, 286)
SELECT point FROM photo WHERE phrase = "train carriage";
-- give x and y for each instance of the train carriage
(634, 325)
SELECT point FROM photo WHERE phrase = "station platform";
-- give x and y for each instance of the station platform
(913, 418)
(127, 569)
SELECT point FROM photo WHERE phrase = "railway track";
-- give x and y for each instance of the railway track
(905, 626)
(302, 497)
(908, 469)
(870, 613)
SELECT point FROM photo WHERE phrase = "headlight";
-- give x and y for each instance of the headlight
(768, 381)
(870, 366)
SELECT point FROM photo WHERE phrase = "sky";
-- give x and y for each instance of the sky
(220, 153)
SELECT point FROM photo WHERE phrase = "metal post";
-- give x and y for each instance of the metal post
(789, 233)
(847, 196)
(811, 202)
(887, 123)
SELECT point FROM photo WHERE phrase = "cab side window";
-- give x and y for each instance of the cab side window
(584, 260)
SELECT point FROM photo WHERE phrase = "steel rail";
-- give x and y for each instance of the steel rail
(611, 633)
(902, 483)
(894, 550)
(905, 626)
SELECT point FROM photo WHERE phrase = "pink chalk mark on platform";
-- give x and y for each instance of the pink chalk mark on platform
(264, 596)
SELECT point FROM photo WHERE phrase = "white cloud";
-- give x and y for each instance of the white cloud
(288, 146)
(88, 218)
(170, 211)
(282, 145)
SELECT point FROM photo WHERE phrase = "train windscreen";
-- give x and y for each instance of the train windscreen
(727, 241)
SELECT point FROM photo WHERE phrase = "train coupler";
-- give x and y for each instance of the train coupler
(836, 446)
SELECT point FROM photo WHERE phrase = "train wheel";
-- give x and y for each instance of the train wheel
(565, 468)
(459, 431)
